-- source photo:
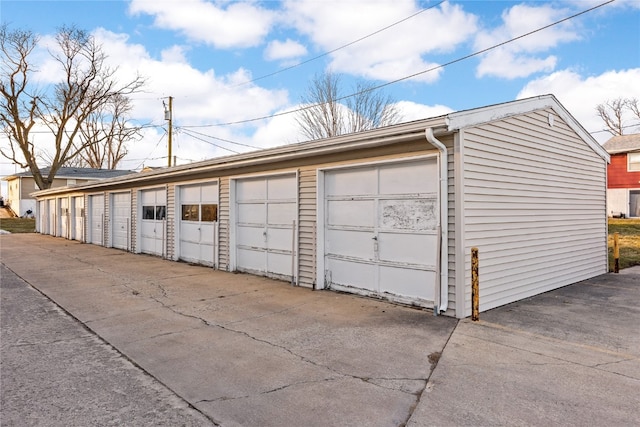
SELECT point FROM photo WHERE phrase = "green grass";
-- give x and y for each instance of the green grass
(629, 240)
(18, 225)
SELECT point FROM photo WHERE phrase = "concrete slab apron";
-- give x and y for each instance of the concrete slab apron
(242, 349)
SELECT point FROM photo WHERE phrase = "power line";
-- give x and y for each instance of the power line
(208, 142)
(437, 67)
(282, 70)
(219, 139)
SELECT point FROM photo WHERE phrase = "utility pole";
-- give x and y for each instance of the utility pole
(168, 115)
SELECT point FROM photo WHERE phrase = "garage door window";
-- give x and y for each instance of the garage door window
(190, 213)
(154, 212)
(209, 213)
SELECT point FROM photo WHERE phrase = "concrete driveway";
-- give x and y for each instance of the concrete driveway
(245, 350)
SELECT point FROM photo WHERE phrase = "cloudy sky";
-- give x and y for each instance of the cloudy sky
(233, 67)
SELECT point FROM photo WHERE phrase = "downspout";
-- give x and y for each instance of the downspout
(442, 300)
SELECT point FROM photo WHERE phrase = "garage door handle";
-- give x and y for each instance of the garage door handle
(375, 237)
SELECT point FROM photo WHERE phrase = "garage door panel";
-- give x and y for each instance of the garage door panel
(251, 189)
(408, 214)
(251, 260)
(348, 182)
(352, 274)
(279, 263)
(407, 248)
(409, 178)
(281, 187)
(120, 216)
(408, 282)
(281, 213)
(251, 213)
(350, 243)
(209, 193)
(251, 236)
(280, 238)
(351, 213)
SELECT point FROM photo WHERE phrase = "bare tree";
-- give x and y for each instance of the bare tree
(88, 86)
(105, 134)
(614, 114)
(324, 115)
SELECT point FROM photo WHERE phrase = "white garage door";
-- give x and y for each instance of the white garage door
(152, 221)
(381, 227)
(198, 231)
(266, 209)
(120, 214)
(52, 217)
(64, 217)
(77, 216)
(96, 219)
(44, 215)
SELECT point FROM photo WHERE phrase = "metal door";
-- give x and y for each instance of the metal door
(266, 214)
(77, 218)
(52, 217)
(120, 213)
(198, 230)
(96, 219)
(64, 217)
(381, 229)
(153, 221)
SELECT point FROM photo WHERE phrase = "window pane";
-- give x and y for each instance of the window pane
(209, 213)
(161, 212)
(634, 161)
(190, 213)
(147, 212)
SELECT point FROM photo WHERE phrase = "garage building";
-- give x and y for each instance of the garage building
(391, 213)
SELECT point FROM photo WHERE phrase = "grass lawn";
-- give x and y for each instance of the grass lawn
(18, 225)
(629, 239)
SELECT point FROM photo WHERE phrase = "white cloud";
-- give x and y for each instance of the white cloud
(413, 111)
(288, 49)
(390, 54)
(522, 57)
(580, 95)
(235, 26)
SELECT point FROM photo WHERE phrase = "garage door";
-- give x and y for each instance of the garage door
(52, 217)
(44, 216)
(266, 209)
(96, 219)
(152, 221)
(120, 214)
(77, 216)
(198, 231)
(64, 217)
(381, 227)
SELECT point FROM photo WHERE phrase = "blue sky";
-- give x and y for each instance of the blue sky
(206, 54)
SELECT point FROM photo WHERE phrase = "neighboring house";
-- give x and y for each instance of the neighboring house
(623, 186)
(391, 213)
(21, 185)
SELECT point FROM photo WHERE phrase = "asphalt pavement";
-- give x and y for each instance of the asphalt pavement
(170, 343)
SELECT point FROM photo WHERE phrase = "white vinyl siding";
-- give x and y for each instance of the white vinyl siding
(534, 205)
(223, 219)
(307, 231)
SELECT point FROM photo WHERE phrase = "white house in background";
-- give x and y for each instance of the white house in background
(21, 185)
(390, 213)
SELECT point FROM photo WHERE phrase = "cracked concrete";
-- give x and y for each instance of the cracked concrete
(245, 350)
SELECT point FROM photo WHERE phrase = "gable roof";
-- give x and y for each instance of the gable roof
(623, 144)
(444, 124)
(76, 173)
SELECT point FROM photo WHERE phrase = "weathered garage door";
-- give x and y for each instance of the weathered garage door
(52, 217)
(198, 231)
(120, 213)
(266, 209)
(152, 221)
(381, 226)
(96, 219)
(64, 217)
(77, 216)
(44, 215)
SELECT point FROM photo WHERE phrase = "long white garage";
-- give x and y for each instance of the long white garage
(198, 225)
(152, 225)
(265, 226)
(381, 230)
